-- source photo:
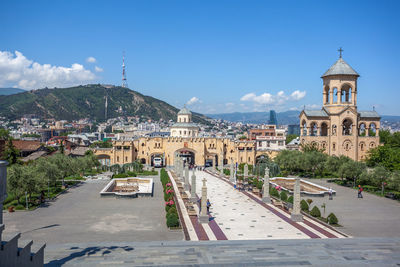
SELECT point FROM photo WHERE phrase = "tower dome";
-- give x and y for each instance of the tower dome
(340, 68)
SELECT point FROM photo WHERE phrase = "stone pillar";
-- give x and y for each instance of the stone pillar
(214, 162)
(222, 164)
(296, 213)
(186, 178)
(266, 198)
(246, 170)
(193, 197)
(203, 216)
(231, 177)
(3, 187)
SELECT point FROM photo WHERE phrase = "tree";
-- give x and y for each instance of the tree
(332, 164)
(11, 153)
(314, 162)
(386, 155)
(394, 181)
(61, 147)
(352, 170)
(311, 147)
(380, 176)
(4, 134)
(15, 181)
(48, 170)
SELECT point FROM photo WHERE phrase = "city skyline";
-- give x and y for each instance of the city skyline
(217, 57)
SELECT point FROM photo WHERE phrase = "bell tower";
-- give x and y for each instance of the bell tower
(339, 86)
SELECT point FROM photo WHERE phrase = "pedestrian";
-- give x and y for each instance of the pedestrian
(360, 189)
(330, 193)
(208, 206)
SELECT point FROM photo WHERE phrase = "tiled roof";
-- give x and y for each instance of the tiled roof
(340, 68)
(315, 113)
(26, 145)
(369, 114)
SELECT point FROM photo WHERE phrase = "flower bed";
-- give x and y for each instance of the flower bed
(169, 196)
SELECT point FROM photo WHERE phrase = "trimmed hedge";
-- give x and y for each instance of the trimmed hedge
(273, 192)
(332, 219)
(284, 196)
(290, 199)
(304, 206)
(315, 212)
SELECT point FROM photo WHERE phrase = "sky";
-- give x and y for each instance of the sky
(215, 56)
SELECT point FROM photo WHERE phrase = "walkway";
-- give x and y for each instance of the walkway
(371, 216)
(243, 216)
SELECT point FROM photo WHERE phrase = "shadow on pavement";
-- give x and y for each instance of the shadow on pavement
(44, 227)
(85, 252)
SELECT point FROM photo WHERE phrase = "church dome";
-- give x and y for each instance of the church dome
(184, 111)
(340, 68)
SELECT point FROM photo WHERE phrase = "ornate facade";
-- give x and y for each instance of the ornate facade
(339, 128)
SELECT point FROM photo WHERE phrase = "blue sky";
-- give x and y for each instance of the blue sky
(218, 56)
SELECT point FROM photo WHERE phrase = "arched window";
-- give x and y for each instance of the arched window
(362, 129)
(304, 125)
(347, 127)
(333, 146)
(324, 129)
(362, 146)
(372, 129)
(335, 92)
(334, 129)
(313, 129)
(346, 93)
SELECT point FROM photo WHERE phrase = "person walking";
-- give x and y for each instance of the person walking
(330, 193)
(208, 206)
(360, 189)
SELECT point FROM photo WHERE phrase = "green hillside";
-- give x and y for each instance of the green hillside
(87, 102)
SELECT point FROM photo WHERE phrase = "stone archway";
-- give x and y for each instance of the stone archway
(187, 154)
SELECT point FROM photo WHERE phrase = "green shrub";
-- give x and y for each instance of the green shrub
(370, 188)
(284, 196)
(332, 219)
(290, 199)
(172, 220)
(172, 209)
(315, 212)
(273, 192)
(303, 205)
(20, 207)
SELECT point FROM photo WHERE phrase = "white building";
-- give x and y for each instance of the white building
(184, 127)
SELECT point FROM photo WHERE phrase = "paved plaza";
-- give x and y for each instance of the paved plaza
(81, 215)
(305, 252)
(371, 216)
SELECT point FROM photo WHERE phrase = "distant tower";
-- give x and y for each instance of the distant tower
(124, 82)
(272, 118)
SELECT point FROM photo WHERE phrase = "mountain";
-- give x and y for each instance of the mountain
(87, 101)
(286, 117)
(10, 91)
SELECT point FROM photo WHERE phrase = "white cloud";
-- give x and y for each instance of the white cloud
(17, 70)
(98, 69)
(297, 95)
(193, 100)
(279, 99)
(91, 60)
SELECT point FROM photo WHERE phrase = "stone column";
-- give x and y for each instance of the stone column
(203, 216)
(231, 177)
(214, 162)
(266, 198)
(3, 187)
(222, 164)
(193, 197)
(296, 214)
(246, 170)
(186, 178)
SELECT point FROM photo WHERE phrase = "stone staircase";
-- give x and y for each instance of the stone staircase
(11, 255)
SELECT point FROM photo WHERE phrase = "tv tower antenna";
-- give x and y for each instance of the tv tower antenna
(105, 106)
(124, 82)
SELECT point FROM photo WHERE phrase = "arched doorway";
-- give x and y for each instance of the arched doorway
(157, 156)
(104, 159)
(187, 154)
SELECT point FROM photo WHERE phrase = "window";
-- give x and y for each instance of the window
(126, 159)
(117, 158)
(333, 146)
